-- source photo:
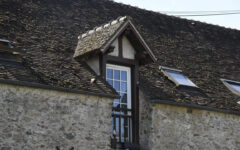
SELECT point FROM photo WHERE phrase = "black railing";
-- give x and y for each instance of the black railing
(121, 126)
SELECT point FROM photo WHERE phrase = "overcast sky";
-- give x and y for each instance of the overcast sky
(232, 21)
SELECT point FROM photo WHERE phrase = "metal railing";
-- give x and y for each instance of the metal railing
(121, 126)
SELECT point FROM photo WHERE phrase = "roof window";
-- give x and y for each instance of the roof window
(177, 77)
(233, 86)
(8, 52)
(5, 43)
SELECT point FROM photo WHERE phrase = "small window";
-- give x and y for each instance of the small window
(233, 86)
(177, 77)
(5, 43)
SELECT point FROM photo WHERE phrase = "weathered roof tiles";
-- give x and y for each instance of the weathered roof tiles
(118, 20)
(204, 52)
(96, 38)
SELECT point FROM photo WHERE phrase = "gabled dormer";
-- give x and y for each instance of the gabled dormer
(118, 38)
(115, 51)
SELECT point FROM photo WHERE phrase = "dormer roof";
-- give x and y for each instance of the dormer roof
(100, 38)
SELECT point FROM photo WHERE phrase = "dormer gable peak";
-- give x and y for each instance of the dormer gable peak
(100, 40)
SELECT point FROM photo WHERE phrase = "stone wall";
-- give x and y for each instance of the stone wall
(180, 128)
(145, 122)
(40, 119)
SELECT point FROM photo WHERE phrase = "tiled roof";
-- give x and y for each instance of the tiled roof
(61, 70)
(96, 38)
(16, 71)
(48, 59)
(52, 72)
(100, 39)
(48, 30)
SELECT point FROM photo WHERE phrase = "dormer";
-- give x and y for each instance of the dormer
(115, 51)
(8, 52)
(116, 39)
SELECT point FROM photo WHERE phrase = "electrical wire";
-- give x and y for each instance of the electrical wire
(201, 13)
(194, 12)
(208, 14)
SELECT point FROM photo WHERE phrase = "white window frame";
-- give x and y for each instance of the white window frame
(165, 72)
(128, 70)
(227, 83)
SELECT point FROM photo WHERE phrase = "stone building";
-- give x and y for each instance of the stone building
(100, 75)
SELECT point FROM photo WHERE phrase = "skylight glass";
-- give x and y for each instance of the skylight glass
(181, 79)
(233, 86)
(177, 76)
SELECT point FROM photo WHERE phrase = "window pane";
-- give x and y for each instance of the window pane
(110, 82)
(116, 105)
(122, 124)
(117, 125)
(116, 101)
(235, 86)
(124, 106)
(117, 112)
(124, 75)
(123, 86)
(124, 98)
(116, 74)
(109, 73)
(180, 78)
(122, 129)
(116, 85)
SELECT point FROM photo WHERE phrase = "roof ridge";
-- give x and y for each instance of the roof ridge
(99, 28)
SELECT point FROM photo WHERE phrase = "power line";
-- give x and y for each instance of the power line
(216, 14)
(201, 13)
(194, 12)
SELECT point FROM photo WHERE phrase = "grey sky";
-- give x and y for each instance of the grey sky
(232, 21)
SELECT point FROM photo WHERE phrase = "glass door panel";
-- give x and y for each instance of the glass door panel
(119, 78)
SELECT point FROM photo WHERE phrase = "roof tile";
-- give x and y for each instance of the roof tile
(95, 39)
(48, 30)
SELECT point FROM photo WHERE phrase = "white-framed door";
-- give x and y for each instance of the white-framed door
(120, 79)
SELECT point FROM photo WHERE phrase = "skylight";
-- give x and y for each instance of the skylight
(233, 86)
(4, 42)
(177, 77)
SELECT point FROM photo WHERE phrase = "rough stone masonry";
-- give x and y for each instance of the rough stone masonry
(40, 119)
(166, 127)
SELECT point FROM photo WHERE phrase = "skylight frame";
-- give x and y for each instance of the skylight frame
(7, 42)
(166, 71)
(3, 40)
(229, 83)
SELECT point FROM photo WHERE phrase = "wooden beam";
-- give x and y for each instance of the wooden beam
(120, 46)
